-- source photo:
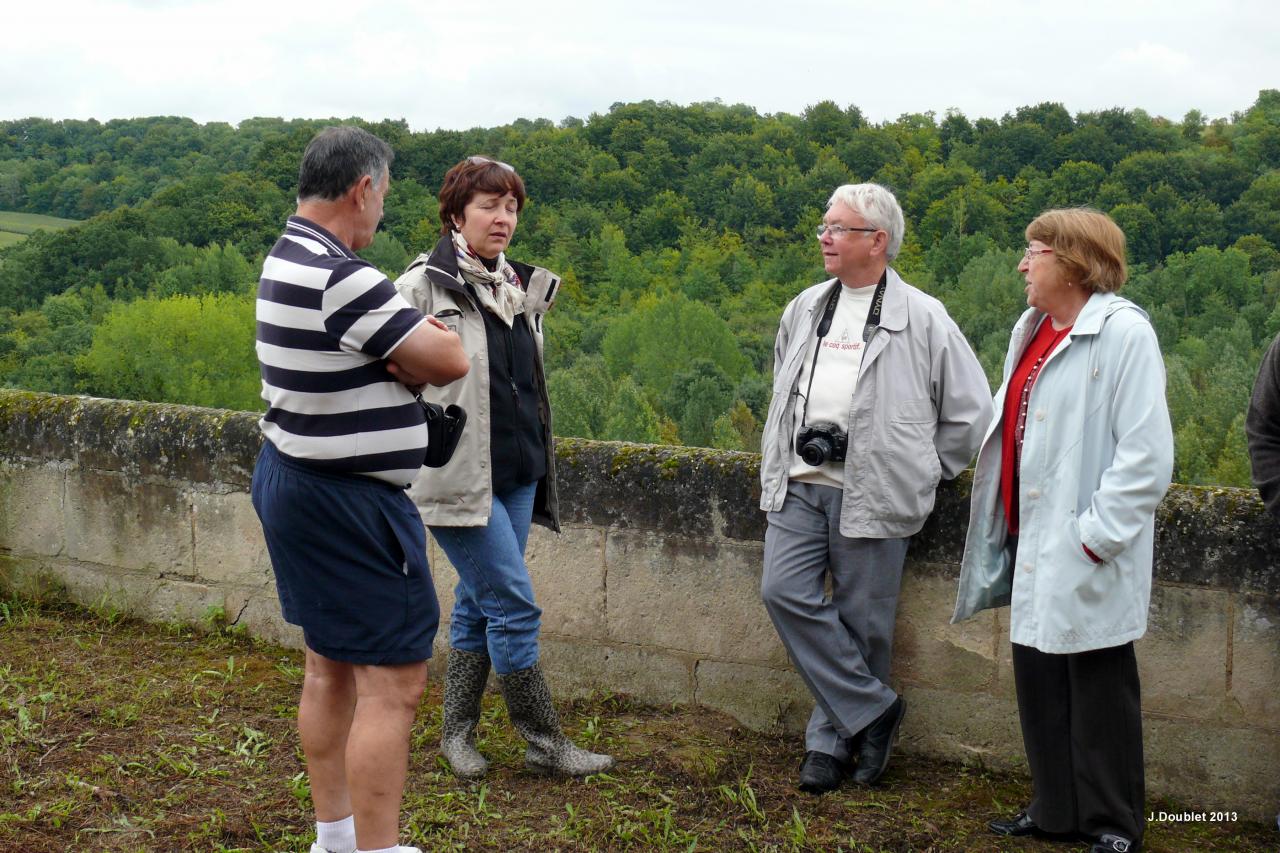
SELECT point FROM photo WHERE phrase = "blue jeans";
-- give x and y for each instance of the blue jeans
(494, 611)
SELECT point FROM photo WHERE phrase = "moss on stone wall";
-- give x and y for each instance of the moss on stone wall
(134, 438)
(1219, 537)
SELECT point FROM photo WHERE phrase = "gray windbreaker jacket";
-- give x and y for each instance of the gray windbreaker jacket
(461, 493)
(916, 416)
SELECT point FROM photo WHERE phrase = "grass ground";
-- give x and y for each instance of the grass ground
(120, 736)
(15, 227)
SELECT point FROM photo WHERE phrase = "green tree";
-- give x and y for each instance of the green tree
(580, 398)
(180, 349)
(630, 416)
(665, 332)
(214, 269)
(696, 397)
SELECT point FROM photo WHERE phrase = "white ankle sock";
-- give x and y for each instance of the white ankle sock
(337, 836)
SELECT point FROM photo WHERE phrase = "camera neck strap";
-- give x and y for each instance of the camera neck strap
(824, 326)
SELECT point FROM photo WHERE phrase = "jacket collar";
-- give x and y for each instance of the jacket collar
(1091, 318)
(1096, 311)
(893, 313)
(441, 266)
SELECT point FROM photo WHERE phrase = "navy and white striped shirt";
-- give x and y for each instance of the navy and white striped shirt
(326, 322)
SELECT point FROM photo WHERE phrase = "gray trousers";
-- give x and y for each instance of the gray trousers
(842, 646)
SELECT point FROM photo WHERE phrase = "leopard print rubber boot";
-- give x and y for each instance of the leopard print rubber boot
(550, 752)
(464, 681)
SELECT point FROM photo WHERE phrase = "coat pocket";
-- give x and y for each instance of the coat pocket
(915, 412)
(451, 317)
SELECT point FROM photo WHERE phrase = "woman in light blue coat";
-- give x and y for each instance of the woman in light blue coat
(1062, 523)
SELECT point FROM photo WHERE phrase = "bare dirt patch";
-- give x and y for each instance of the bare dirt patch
(120, 736)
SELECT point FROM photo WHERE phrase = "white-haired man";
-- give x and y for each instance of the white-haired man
(877, 396)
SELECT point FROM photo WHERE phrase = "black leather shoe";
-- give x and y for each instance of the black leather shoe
(820, 773)
(1110, 843)
(1017, 826)
(877, 743)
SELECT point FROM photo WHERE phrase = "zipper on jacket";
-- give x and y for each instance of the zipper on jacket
(515, 396)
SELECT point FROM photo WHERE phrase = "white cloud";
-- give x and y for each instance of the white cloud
(461, 65)
(1158, 58)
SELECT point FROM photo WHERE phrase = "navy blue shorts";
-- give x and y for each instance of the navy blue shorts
(350, 560)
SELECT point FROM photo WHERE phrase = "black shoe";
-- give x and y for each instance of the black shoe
(877, 743)
(820, 773)
(1110, 843)
(1017, 826)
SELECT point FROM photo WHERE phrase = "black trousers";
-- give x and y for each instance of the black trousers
(1081, 720)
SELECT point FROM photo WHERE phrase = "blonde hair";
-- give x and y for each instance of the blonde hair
(1087, 243)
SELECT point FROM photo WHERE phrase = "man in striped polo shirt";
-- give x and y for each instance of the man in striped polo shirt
(339, 349)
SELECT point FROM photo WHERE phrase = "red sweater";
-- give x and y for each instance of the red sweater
(1016, 399)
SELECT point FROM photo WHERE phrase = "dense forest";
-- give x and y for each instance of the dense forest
(680, 232)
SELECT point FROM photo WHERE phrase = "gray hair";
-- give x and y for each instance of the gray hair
(878, 206)
(336, 158)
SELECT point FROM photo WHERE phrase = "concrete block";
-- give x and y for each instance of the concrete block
(34, 577)
(569, 580)
(573, 668)
(171, 600)
(229, 548)
(1206, 767)
(31, 520)
(1182, 660)
(581, 667)
(1255, 660)
(971, 727)
(445, 577)
(1004, 686)
(693, 595)
(931, 652)
(653, 676)
(259, 612)
(759, 697)
(114, 521)
(145, 596)
(92, 585)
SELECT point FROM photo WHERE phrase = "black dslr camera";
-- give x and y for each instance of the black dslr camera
(822, 443)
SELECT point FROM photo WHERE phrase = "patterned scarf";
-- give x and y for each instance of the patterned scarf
(499, 291)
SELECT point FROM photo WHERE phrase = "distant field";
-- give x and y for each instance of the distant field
(16, 226)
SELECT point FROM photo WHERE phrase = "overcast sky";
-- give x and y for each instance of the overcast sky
(465, 64)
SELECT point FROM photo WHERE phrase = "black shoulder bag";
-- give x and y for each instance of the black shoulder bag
(444, 428)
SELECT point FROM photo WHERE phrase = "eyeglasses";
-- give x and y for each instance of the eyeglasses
(1031, 253)
(837, 230)
(477, 160)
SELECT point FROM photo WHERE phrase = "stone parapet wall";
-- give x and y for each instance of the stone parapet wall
(652, 588)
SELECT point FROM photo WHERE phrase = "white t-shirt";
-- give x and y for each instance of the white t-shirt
(835, 377)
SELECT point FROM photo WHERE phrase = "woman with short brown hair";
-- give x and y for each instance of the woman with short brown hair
(1061, 528)
(502, 474)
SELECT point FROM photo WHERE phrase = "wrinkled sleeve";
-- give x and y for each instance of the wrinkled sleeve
(1132, 486)
(780, 342)
(962, 399)
(415, 288)
(1262, 425)
(363, 311)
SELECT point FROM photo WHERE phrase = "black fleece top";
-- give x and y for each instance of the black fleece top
(515, 425)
